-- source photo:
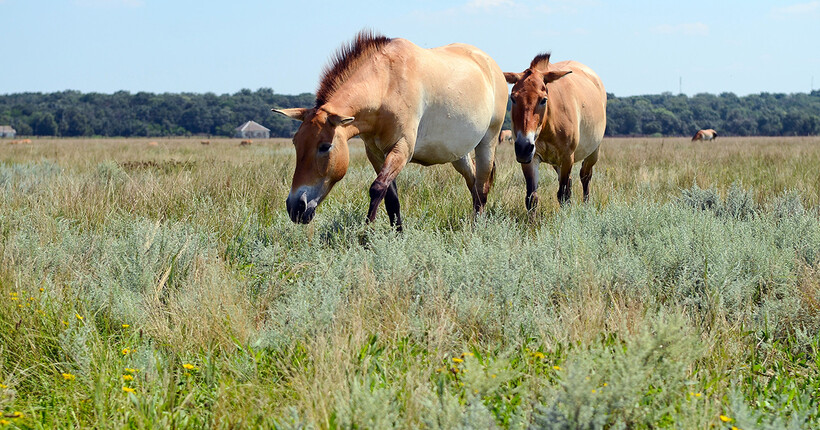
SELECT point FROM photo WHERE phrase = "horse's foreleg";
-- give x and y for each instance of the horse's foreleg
(531, 178)
(395, 160)
(564, 180)
(391, 202)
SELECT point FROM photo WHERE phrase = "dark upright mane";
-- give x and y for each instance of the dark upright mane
(345, 61)
(541, 61)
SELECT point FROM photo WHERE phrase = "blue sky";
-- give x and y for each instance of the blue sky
(637, 47)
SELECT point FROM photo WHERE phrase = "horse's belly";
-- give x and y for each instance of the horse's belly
(444, 137)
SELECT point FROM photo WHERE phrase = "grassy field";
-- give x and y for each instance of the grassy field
(164, 286)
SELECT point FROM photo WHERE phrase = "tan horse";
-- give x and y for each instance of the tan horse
(506, 136)
(559, 117)
(408, 104)
(707, 134)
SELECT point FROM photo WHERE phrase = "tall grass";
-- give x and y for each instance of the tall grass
(159, 286)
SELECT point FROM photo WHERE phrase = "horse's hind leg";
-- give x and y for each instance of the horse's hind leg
(485, 167)
(586, 172)
(466, 167)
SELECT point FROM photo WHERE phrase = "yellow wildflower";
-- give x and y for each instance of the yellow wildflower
(457, 360)
(605, 384)
(492, 376)
(130, 370)
(556, 367)
(189, 366)
(69, 377)
(725, 419)
(4, 422)
(465, 354)
(735, 428)
(129, 390)
(65, 322)
(126, 325)
(79, 317)
(698, 394)
(539, 355)
(42, 289)
(125, 351)
(3, 386)
(127, 378)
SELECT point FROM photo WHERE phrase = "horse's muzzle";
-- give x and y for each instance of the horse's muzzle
(524, 149)
(299, 208)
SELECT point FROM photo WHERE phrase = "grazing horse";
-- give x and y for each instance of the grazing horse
(559, 117)
(505, 136)
(707, 134)
(408, 104)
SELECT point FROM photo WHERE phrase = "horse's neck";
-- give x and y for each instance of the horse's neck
(360, 97)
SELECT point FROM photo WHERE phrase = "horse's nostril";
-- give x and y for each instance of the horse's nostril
(301, 204)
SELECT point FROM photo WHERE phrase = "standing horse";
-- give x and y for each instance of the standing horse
(559, 117)
(408, 104)
(707, 134)
(506, 136)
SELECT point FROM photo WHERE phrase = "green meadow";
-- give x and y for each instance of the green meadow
(147, 286)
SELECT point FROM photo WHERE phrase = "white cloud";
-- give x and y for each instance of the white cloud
(686, 29)
(109, 3)
(798, 9)
(489, 4)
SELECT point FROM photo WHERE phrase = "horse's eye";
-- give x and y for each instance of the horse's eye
(324, 147)
(544, 101)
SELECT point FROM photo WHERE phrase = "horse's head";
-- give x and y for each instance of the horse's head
(529, 98)
(321, 158)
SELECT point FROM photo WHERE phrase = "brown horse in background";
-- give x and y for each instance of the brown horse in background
(506, 136)
(408, 104)
(707, 134)
(559, 117)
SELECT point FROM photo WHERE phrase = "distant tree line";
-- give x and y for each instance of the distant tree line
(762, 114)
(71, 113)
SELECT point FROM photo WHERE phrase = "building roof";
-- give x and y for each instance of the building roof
(6, 128)
(251, 126)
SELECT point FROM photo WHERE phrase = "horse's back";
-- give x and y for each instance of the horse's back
(459, 94)
(582, 98)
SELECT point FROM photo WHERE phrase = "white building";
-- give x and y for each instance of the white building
(7, 131)
(252, 130)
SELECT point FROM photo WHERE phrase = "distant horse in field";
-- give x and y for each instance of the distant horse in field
(205, 142)
(707, 134)
(506, 136)
(559, 117)
(408, 104)
(245, 142)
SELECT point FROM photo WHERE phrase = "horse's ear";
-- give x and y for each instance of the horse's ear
(512, 77)
(337, 120)
(293, 113)
(554, 76)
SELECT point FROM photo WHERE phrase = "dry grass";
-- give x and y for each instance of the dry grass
(189, 245)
